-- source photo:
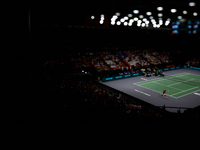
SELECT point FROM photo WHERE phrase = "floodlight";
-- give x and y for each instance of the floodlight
(125, 23)
(173, 10)
(191, 4)
(118, 23)
(184, 12)
(160, 14)
(135, 19)
(195, 14)
(159, 8)
(141, 16)
(148, 13)
(130, 15)
(135, 11)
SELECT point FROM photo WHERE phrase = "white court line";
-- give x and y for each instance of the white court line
(167, 79)
(185, 90)
(142, 92)
(184, 73)
(189, 93)
(159, 79)
(166, 86)
(155, 91)
(144, 79)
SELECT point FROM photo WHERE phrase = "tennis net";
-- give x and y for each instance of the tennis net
(187, 80)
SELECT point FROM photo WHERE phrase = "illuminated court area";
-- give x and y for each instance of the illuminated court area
(183, 86)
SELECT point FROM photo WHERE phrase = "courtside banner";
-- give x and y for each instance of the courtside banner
(140, 73)
(121, 76)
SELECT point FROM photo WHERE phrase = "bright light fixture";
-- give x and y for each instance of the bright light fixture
(101, 21)
(92, 17)
(179, 17)
(173, 10)
(131, 20)
(139, 21)
(147, 22)
(130, 15)
(195, 14)
(126, 18)
(151, 17)
(122, 20)
(158, 25)
(135, 11)
(159, 8)
(160, 14)
(125, 23)
(112, 22)
(141, 16)
(191, 4)
(148, 13)
(118, 23)
(184, 12)
(143, 24)
(144, 19)
(117, 13)
(135, 19)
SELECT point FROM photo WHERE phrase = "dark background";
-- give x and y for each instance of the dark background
(53, 29)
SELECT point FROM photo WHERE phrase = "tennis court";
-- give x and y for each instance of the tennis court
(179, 85)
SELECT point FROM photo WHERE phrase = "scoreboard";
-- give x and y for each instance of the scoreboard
(188, 27)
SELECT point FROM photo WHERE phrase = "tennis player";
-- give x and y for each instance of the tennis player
(164, 93)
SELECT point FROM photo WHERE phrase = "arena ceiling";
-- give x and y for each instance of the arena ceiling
(77, 11)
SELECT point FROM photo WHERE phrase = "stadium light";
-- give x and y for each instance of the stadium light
(173, 10)
(148, 13)
(141, 16)
(144, 19)
(135, 19)
(184, 12)
(122, 19)
(158, 25)
(195, 14)
(159, 8)
(92, 17)
(130, 15)
(147, 22)
(139, 21)
(167, 23)
(168, 19)
(192, 4)
(143, 24)
(125, 23)
(135, 11)
(131, 20)
(117, 13)
(160, 14)
(179, 17)
(151, 17)
(115, 16)
(160, 22)
(118, 23)
(126, 18)
(113, 23)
